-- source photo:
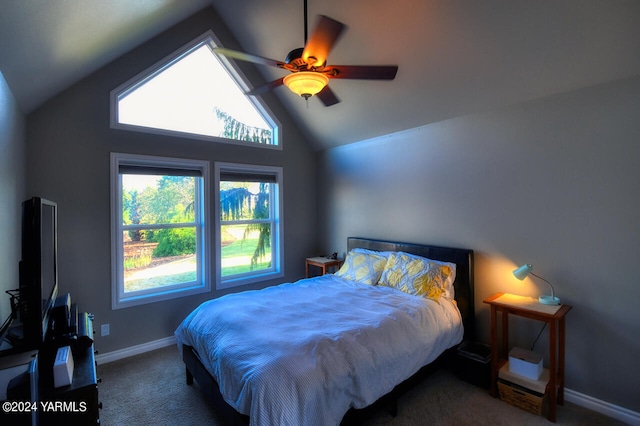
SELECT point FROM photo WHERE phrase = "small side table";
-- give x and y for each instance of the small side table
(323, 263)
(533, 310)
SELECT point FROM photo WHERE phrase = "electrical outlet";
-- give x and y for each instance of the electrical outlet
(104, 330)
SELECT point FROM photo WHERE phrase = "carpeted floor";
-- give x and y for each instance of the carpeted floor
(150, 389)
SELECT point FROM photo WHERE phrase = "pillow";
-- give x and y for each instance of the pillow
(444, 272)
(419, 276)
(363, 265)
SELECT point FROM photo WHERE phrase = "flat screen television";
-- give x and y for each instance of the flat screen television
(38, 269)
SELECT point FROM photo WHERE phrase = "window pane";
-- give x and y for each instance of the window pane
(159, 257)
(160, 242)
(245, 248)
(244, 200)
(249, 241)
(152, 199)
(194, 94)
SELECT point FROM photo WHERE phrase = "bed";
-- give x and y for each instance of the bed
(332, 349)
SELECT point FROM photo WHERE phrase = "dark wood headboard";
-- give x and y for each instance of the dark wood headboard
(463, 259)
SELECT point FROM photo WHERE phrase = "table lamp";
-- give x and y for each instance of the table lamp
(526, 269)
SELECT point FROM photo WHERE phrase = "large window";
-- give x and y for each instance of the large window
(249, 237)
(196, 94)
(159, 242)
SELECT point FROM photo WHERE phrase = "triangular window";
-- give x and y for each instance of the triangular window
(192, 92)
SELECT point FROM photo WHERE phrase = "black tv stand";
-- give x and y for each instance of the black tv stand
(14, 334)
(73, 404)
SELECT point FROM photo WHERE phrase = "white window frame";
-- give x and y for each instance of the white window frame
(276, 204)
(234, 71)
(120, 299)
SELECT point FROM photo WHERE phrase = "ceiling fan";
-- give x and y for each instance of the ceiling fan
(309, 72)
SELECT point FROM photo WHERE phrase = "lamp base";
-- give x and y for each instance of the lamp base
(549, 300)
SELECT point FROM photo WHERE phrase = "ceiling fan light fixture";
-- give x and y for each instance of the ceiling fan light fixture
(306, 83)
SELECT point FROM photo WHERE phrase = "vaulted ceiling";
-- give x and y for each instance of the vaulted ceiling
(455, 57)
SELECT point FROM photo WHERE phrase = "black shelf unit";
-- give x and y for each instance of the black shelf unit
(73, 404)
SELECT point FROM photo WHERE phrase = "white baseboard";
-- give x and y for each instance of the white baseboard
(135, 350)
(602, 407)
(614, 411)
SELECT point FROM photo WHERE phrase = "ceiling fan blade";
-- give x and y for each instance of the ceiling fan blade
(324, 36)
(242, 56)
(356, 72)
(327, 96)
(265, 87)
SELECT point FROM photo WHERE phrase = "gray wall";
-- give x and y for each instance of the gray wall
(553, 182)
(12, 192)
(69, 141)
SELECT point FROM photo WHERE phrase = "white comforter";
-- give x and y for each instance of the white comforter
(304, 353)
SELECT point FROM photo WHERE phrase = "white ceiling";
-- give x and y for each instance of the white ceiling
(454, 57)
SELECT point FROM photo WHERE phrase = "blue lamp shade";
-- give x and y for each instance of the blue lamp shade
(523, 271)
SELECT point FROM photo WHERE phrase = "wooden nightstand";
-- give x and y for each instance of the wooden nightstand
(554, 316)
(323, 263)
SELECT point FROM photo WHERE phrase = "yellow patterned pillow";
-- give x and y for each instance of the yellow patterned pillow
(418, 275)
(363, 265)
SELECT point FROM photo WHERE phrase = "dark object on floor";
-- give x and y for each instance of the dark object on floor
(472, 363)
